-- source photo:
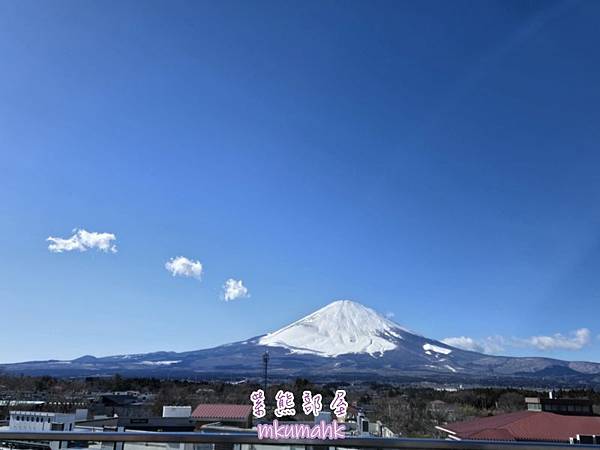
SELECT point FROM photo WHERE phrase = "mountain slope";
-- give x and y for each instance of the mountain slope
(342, 340)
(339, 328)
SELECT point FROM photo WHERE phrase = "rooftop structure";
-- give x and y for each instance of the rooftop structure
(177, 411)
(156, 423)
(524, 426)
(39, 421)
(571, 406)
(233, 415)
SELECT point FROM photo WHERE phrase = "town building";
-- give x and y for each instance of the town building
(224, 414)
(548, 419)
(42, 421)
(177, 411)
(571, 406)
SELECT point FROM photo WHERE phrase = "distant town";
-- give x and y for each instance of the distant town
(146, 405)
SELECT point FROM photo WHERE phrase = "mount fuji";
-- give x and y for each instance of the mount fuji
(343, 340)
(339, 328)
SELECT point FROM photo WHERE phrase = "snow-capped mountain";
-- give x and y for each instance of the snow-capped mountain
(339, 328)
(343, 340)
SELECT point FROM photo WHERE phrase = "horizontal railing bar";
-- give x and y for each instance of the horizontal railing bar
(251, 438)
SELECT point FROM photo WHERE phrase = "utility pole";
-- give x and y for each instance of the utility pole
(266, 364)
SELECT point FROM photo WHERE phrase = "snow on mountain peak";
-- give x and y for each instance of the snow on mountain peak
(340, 327)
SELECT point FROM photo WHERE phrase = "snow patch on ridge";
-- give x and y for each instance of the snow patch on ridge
(436, 348)
(160, 363)
(339, 328)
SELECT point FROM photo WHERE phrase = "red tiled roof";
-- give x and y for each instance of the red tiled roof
(527, 426)
(491, 434)
(222, 411)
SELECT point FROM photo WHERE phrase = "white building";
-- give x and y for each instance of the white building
(177, 411)
(42, 421)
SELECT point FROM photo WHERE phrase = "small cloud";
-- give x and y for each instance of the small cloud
(490, 344)
(463, 342)
(234, 289)
(82, 241)
(389, 315)
(576, 340)
(184, 267)
(493, 344)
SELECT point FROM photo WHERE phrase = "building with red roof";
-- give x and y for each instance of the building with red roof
(524, 426)
(225, 414)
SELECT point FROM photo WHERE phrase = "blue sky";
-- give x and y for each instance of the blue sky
(434, 160)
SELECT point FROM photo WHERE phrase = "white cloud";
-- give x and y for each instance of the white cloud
(464, 342)
(234, 289)
(184, 267)
(82, 241)
(390, 315)
(494, 344)
(490, 344)
(576, 340)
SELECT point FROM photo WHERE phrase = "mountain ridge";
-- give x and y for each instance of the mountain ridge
(342, 339)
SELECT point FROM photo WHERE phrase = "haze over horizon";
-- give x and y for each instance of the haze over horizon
(177, 176)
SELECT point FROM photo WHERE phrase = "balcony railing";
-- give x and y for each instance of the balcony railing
(221, 439)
